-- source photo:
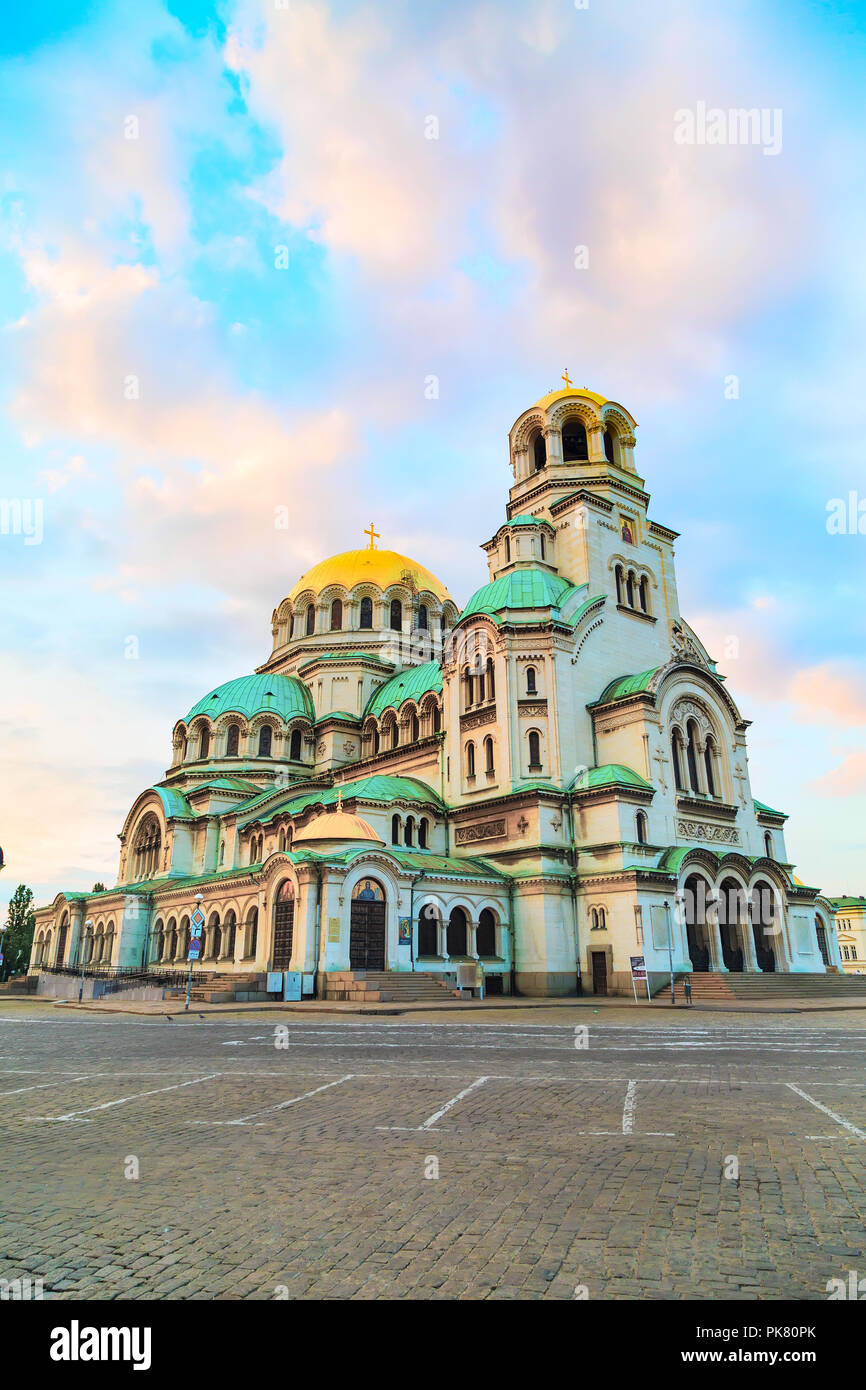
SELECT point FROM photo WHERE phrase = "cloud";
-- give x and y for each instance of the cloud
(848, 779)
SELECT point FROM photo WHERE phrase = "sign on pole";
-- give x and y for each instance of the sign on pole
(194, 948)
(638, 972)
(197, 921)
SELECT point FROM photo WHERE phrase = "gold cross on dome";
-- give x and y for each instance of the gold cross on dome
(567, 379)
(374, 536)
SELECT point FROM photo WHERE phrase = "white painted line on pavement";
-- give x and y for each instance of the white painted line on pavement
(628, 1108)
(271, 1109)
(846, 1124)
(44, 1086)
(108, 1104)
(431, 1123)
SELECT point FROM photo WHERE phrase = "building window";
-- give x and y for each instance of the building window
(709, 766)
(768, 844)
(295, 745)
(530, 681)
(608, 446)
(396, 615)
(491, 688)
(692, 755)
(311, 620)
(422, 833)
(640, 823)
(619, 583)
(204, 743)
(470, 760)
(534, 752)
(366, 612)
(233, 740)
(485, 934)
(676, 760)
(574, 442)
(409, 831)
(336, 615)
(488, 756)
(643, 591)
(541, 539)
(265, 740)
(395, 830)
(539, 450)
(467, 688)
(423, 618)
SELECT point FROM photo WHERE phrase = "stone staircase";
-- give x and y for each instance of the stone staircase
(774, 987)
(387, 986)
(224, 987)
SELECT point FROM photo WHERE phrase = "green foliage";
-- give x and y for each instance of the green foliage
(18, 938)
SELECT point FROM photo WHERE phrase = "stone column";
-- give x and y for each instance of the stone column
(750, 959)
(714, 936)
(472, 939)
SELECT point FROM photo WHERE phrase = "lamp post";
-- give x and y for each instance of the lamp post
(3, 929)
(83, 942)
(670, 949)
(199, 897)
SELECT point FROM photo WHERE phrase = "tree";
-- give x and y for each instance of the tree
(18, 937)
(98, 888)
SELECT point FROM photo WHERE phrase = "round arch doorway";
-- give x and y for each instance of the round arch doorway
(367, 926)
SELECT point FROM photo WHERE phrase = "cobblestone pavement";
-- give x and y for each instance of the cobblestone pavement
(300, 1160)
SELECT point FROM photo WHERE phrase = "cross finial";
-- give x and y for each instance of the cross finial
(339, 800)
(374, 536)
(567, 379)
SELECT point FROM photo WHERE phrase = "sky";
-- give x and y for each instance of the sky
(237, 241)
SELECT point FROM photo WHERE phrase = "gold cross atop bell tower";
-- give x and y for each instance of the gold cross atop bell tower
(567, 379)
(374, 536)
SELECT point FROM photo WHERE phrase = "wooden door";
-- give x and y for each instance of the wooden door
(367, 935)
(599, 972)
(284, 927)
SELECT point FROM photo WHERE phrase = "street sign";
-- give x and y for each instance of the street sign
(638, 967)
(197, 921)
(194, 948)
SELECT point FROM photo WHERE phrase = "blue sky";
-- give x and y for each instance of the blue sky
(230, 256)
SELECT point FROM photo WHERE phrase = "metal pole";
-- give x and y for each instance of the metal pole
(82, 939)
(198, 898)
(670, 950)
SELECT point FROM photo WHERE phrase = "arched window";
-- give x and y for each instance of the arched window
(629, 589)
(593, 920)
(428, 930)
(467, 688)
(311, 620)
(491, 688)
(233, 740)
(608, 446)
(541, 538)
(396, 615)
(395, 830)
(485, 934)
(574, 445)
(676, 759)
(414, 728)
(508, 550)
(146, 851)
(437, 719)
(602, 920)
(539, 450)
(480, 680)
(643, 591)
(409, 831)
(295, 745)
(470, 760)
(252, 935)
(423, 620)
(534, 752)
(530, 681)
(204, 742)
(488, 755)
(768, 844)
(266, 735)
(619, 583)
(709, 766)
(366, 612)
(692, 755)
(291, 627)
(336, 615)
(281, 843)
(640, 825)
(422, 833)
(456, 933)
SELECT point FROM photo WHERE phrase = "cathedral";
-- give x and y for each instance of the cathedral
(552, 781)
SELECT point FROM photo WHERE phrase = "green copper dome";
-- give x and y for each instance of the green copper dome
(523, 588)
(284, 696)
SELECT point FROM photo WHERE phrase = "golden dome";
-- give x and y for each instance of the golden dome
(580, 391)
(336, 825)
(380, 567)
